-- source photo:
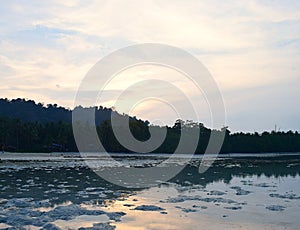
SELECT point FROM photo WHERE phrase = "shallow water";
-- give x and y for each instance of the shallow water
(61, 192)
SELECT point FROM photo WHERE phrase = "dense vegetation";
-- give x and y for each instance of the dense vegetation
(29, 127)
(29, 111)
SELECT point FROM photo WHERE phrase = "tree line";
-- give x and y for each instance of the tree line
(24, 130)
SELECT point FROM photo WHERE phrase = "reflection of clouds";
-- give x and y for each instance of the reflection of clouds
(195, 202)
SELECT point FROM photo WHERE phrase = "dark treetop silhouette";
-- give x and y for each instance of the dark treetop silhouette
(29, 127)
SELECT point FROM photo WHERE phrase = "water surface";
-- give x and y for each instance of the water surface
(61, 192)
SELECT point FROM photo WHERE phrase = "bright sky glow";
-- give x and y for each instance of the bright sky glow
(252, 48)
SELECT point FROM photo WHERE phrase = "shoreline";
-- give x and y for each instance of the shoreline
(8, 156)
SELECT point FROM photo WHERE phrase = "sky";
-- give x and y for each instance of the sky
(251, 48)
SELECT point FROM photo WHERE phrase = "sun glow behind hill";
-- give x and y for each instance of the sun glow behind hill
(251, 48)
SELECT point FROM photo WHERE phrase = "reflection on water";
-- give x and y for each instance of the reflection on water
(232, 194)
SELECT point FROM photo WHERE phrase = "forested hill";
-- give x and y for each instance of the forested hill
(29, 111)
(29, 127)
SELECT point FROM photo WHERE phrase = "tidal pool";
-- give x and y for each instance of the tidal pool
(62, 192)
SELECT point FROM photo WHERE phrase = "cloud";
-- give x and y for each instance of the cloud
(250, 47)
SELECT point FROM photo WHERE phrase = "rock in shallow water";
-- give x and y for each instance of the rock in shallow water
(216, 193)
(275, 208)
(233, 208)
(100, 226)
(149, 208)
(18, 217)
(289, 196)
(240, 191)
(50, 227)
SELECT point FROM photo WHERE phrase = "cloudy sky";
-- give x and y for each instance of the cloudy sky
(251, 48)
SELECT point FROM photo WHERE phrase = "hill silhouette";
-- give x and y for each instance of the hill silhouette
(29, 111)
(27, 126)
